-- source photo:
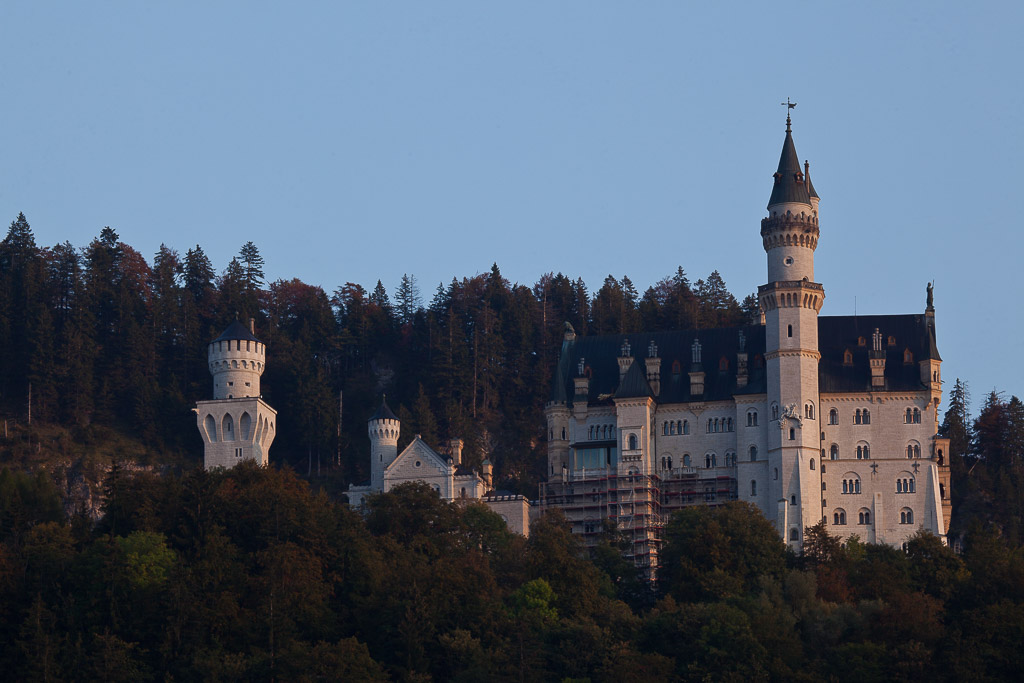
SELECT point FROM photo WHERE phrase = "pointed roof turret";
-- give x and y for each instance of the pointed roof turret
(790, 185)
(236, 330)
(810, 185)
(383, 413)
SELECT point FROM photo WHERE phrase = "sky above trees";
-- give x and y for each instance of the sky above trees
(357, 142)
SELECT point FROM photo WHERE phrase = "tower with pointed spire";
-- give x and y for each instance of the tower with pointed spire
(791, 301)
(383, 427)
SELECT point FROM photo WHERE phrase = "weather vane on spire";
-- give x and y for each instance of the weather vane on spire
(788, 105)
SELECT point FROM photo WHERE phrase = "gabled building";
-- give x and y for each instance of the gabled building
(808, 417)
(446, 474)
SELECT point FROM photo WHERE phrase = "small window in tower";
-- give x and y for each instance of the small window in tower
(231, 384)
(790, 330)
(248, 345)
(861, 341)
(248, 384)
(788, 260)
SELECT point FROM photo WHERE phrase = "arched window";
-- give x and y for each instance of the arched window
(906, 516)
(668, 460)
(851, 483)
(863, 451)
(847, 357)
(833, 452)
(908, 357)
(751, 418)
(917, 416)
(794, 535)
(672, 428)
(790, 330)
(775, 411)
(707, 460)
(867, 416)
(686, 426)
(839, 517)
(632, 442)
(753, 487)
(864, 516)
(833, 417)
(753, 453)
(809, 411)
(563, 433)
(776, 474)
(666, 429)
(686, 460)
(792, 434)
(857, 417)
(462, 494)
(792, 499)
(908, 418)
(812, 464)
(709, 425)
(729, 425)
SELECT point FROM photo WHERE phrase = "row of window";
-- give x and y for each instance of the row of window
(677, 427)
(862, 416)
(710, 460)
(863, 451)
(852, 484)
(601, 432)
(864, 516)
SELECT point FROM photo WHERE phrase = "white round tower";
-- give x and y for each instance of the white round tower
(791, 302)
(383, 427)
(237, 359)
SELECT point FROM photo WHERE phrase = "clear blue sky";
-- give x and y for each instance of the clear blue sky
(356, 141)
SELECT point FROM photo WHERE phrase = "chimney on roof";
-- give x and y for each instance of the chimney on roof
(653, 363)
(625, 358)
(876, 358)
(456, 447)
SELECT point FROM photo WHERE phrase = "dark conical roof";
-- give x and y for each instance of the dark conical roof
(810, 186)
(236, 330)
(634, 384)
(789, 179)
(383, 413)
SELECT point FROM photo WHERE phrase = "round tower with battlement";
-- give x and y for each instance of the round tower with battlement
(791, 301)
(384, 428)
(237, 424)
(236, 360)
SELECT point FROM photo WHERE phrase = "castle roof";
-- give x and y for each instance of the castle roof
(789, 178)
(236, 330)
(720, 350)
(383, 413)
(634, 384)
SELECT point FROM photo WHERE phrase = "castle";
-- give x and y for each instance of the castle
(237, 424)
(808, 417)
(447, 476)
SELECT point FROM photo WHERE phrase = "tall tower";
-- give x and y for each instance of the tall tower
(383, 427)
(237, 424)
(791, 302)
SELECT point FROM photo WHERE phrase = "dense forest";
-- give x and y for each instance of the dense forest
(99, 340)
(263, 574)
(247, 574)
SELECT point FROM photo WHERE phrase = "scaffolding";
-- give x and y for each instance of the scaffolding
(638, 505)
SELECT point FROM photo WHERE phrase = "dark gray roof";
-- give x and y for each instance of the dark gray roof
(810, 186)
(789, 185)
(236, 330)
(634, 384)
(383, 413)
(836, 335)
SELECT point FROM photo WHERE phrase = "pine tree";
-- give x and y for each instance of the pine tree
(407, 299)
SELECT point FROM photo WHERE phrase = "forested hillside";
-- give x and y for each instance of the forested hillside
(246, 574)
(102, 340)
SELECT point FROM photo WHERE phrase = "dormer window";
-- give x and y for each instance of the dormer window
(908, 356)
(861, 341)
(723, 364)
(847, 357)
(892, 340)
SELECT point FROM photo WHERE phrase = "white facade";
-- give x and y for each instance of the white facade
(237, 425)
(806, 418)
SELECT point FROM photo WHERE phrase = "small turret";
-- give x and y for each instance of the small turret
(383, 428)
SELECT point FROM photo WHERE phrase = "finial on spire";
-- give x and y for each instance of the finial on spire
(789, 106)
